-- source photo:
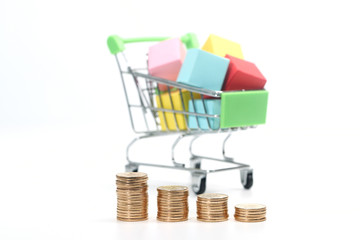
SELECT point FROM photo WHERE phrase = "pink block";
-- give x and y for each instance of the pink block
(165, 59)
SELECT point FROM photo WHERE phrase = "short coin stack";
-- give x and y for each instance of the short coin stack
(250, 212)
(212, 207)
(132, 196)
(172, 203)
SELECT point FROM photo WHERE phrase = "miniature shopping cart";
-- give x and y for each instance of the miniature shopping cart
(154, 113)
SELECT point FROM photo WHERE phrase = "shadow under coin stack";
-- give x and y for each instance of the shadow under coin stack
(172, 203)
(250, 212)
(132, 196)
(212, 207)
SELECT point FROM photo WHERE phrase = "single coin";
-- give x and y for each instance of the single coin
(131, 179)
(249, 212)
(212, 220)
(176, 199)
(131, 219)
(131, 175)
(212, 196)
(251, 206)
(171, 188)
(132, 215)
(173, 215)
(173, 194)
(213, 216)
(172, 220)
(131, 211)
(217, 205)
(251, 217)
(252, 220)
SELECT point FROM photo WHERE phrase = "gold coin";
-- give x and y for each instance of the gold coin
(211, 196)
(130, 180)
(131, 187)
(249, 211)
(164, 206)
(134, 195)
(251, 206)
(250, 217)
(174, 215)
(131, 214)
(175, 200)
(131, 175)
(175, 195)
(132, 219)
(252, 220)
(212, 220)
(172, 198)
(172, 220)
(132, 183)
(181, 203)
(218, 205)
(172, 188)
(212, 208)
(250, 214)
(214, 217)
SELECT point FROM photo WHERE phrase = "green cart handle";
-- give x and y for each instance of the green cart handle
(117, 44)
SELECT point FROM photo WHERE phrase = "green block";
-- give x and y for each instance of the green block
(243, 108)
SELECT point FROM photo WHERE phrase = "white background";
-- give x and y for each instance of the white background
(64, 124)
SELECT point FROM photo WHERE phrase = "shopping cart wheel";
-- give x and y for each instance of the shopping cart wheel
(131, 168)
(198, 182)
(246, 176)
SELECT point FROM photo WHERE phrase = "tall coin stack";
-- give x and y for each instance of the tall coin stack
(212, 207)
(172, 203)
(132, 196)
(250, 212)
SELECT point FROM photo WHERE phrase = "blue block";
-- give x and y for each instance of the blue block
(203, 69)
(213, 106)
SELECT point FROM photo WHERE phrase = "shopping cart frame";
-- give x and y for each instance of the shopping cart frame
(147, 88)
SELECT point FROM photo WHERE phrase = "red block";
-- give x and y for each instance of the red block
(241, 75)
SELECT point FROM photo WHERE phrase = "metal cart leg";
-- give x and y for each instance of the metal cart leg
(246, 173)
(198, 180)
(176, 164)
(195, 162)
(225, 158)
(223, 149)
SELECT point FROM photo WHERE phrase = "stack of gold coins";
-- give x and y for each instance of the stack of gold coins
(132, 196)
(250, 212)
(212, 207)
(172, 203)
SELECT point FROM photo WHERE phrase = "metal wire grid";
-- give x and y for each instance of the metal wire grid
(147, 87)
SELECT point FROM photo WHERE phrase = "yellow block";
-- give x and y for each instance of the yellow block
(221, 46)
(166, 103)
